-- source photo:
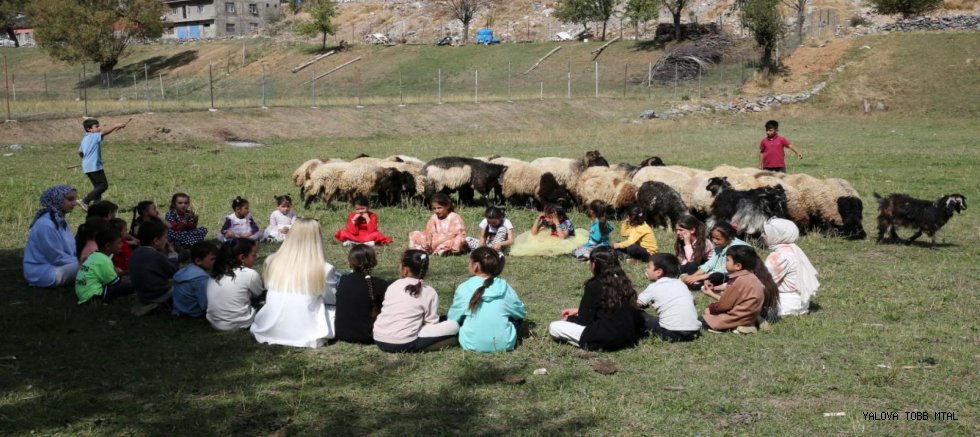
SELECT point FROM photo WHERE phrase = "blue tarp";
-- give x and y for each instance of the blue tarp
(485, 36)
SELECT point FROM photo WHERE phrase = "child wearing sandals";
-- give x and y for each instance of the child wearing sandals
(409, 321)
(749, 296)
(486, 307)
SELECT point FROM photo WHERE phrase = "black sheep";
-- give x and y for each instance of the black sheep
(464, 175)
(661, 204)
(747, 209)
(553, 193)
(923, 215)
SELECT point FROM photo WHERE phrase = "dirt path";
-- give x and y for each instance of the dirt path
(804, 68)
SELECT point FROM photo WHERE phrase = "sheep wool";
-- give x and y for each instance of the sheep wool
(565, 170)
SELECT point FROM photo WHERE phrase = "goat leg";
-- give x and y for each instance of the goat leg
(917, 234)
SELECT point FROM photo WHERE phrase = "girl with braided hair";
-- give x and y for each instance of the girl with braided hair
(409, 321)
(486, 306)
(300, 305)
(359, 297)
(607, 317)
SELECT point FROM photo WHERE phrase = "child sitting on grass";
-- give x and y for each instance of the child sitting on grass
(360, 295)
(496, 231)
(677, 318)
(445, 233)
(97, 277)
(409, 318)
(640, 242)
(599, 230)
(552, 233)
(749, 295)
(362, 226)
(151, 270)
(486, 307)
(233, 286)
(182, 221)
(281, 219)
(191, 281)
(239, 224)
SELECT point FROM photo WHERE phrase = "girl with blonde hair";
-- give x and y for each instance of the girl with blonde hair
(300, 305)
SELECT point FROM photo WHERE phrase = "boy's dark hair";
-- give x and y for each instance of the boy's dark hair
(668, 263)
(417, 262)
(102, 208)
(227, 260)
(238, 202)
(173, 199)
(283, 199)
(491, 264)
(442, 199)
(151, 230)
(363, 260)
(360, 201)
(494, 212)
(202, 249)
(118, 224)
(106, 236)
(88, 123)
(772, 124)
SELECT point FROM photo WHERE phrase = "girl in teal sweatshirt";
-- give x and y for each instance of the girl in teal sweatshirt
(486, 307)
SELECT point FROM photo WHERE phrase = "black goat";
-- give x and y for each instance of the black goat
(748, 209)
(631, 169)
(923, 215)
(660, 203)
(465, 175)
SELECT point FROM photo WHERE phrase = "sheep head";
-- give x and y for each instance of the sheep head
(718, 184)
(594, 158)
(953, 203)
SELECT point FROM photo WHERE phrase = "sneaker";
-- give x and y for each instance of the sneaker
(714, 331)
(746, 330)
(81, 205)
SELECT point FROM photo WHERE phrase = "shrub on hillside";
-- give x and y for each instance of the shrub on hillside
(907, 8)
(858, 20)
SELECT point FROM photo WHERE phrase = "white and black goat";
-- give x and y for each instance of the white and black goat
(748, 209)
(923, 215)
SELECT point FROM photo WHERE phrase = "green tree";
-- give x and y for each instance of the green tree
(9, 11)
(641, 11)
(907, 8)
(583, 11)
(94, 30)
(765, 21)
(322, 13)
(676, 7)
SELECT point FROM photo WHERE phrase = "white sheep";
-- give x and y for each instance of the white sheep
(404, 158)
(607, 185)
(565, 170)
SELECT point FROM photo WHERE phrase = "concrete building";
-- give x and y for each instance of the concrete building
(195, 19)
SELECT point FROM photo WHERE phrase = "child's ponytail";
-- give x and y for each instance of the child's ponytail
(417, 262)
(491, 264)
(599, 210)
(227, 260)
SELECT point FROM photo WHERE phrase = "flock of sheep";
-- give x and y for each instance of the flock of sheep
(745, 196)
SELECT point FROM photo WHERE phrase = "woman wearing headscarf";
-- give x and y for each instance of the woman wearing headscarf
(49, 256)
(790, 268)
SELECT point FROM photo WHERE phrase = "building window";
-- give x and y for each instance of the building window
(173, 11)
(253, 27)
(230, 28)
(230, 8)
(253, 9)
(200, 9)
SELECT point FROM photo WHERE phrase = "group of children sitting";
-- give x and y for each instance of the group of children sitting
(300, 299)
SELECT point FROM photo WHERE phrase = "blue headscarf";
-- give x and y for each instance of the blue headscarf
(51, 202)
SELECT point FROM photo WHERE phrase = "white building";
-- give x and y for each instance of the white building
(195, 19)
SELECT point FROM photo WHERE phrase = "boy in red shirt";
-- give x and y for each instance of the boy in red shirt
(771, 154)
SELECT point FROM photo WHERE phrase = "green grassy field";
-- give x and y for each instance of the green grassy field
(894, 327)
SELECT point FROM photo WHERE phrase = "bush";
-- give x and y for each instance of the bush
(907, 8)
(858, 20)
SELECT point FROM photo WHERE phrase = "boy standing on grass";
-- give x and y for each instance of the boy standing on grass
(91, 153)
(771, 154)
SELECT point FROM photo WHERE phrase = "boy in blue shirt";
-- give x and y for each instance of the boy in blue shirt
(191, 281)
(91, 153)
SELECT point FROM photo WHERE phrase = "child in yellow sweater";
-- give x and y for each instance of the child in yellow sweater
(639, 241)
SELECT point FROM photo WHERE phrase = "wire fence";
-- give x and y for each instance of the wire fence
(238, 81)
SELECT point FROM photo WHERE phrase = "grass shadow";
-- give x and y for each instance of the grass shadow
(150, 67)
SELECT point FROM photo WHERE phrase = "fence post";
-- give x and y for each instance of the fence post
(45, 85)
(626, 71)
(136, 91)
(146, 89)
(597, 79)
(542, 90)
(675, 80)
(263, 89)
(699, 80)
(211, 85)
(85, 91)
(7, 86)
(401, 96)
(360, 86)
(509, 98)
(476, 86)
(650, 80)
(568, 95)
(439, 92)
(13, 85)
(163, 95)
(313, 86)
